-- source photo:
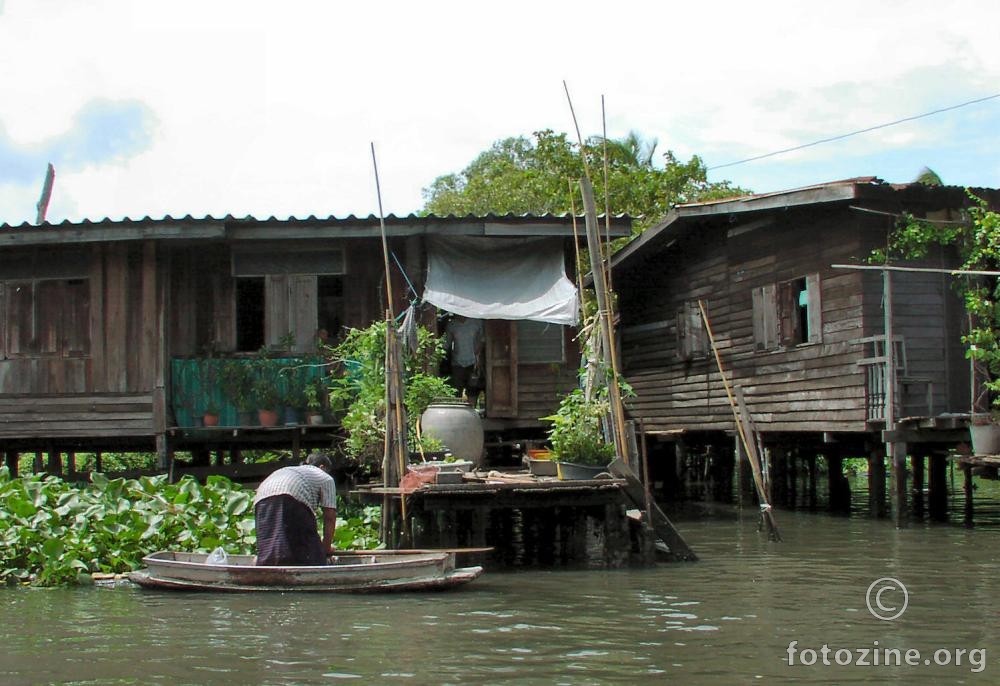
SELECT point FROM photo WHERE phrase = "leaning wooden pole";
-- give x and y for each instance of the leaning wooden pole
(395, 453)
(750, 447)
(43, 201)
(604, 317)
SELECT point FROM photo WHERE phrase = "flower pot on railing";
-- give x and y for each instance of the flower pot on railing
(267, 417)
(985, 435)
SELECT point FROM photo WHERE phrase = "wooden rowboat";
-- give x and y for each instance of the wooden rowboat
(348, 572)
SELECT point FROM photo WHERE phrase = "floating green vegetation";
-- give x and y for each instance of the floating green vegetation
(53, 532)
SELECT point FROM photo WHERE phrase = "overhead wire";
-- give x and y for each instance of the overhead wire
(854, 133)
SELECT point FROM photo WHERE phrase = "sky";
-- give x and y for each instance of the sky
(216, 107)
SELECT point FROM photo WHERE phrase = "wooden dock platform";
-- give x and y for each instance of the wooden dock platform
(525, 521)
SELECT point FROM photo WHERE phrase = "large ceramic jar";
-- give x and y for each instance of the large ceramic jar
(457, 426)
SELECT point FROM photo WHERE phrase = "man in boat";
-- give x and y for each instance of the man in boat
(285, 512)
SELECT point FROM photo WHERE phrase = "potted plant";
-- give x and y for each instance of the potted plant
(236, 381)
(314, 394)
(358, 387)
(293, 395)
(211, 415)
(577, 439)
(267, 388)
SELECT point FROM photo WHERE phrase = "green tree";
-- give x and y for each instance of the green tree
(519, 175)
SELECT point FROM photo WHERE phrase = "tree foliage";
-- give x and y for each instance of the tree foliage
(519, 175)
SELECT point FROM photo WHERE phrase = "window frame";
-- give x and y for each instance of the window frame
(524, 330)
(692, 336)
(781, 321)
(66, 330)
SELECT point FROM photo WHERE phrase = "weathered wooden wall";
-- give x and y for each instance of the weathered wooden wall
(813, 386)
(98, 378)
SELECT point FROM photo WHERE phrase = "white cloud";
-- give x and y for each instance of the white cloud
(267, 108)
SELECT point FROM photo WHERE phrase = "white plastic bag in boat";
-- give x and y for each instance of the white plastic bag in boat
(217, 557)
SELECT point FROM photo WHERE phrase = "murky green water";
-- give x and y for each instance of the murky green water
(728, 619)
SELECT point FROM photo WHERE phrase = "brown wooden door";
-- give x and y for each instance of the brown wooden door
(501, 368)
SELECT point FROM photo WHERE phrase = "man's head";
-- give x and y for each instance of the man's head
(321, 460)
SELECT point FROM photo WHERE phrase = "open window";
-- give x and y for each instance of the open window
(287, 292)
(787, 313)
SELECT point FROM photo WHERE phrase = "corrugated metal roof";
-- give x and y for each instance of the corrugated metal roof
(409, 219)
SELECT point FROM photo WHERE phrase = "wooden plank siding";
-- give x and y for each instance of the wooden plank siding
(809, 387)
(123, 299)
(75, 416)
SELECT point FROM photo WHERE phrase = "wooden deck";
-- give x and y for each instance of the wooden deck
(527, 521)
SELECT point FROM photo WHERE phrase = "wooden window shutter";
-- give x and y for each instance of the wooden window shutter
(815, 309)
(697, 335)
(20, 317)
(276, 320)
(788, 331)
(303, 311)
(683, 339)
(50, 324)
(75, 326)
(765, 317)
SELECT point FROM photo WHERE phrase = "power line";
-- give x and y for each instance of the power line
(854, 133)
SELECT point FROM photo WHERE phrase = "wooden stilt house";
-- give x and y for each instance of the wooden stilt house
(109, 328)
(802, 339)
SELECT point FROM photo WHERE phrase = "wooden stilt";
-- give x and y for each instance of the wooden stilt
(38, 465)
(793, 478)
(899, 485)
(776, 458)
(99, 459)
(937, 496)
(840, 487)
(55, 465)
(876, 484)
(13, 459)
(969, 487)
(162, 458)
(739, 475)
(917, 463)
(811, 488)
(680, 466)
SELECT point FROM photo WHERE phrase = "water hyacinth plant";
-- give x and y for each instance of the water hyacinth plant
(53, 532)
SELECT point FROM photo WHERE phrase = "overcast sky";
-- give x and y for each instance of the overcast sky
(212, 107)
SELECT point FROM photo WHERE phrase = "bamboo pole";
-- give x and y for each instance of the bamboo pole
(599, 271)
(603, 313)
(751, 448)
(394, 453)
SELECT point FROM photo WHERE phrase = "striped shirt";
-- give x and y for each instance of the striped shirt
(307, 484)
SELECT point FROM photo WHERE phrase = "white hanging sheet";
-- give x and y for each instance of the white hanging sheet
(500, 278)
